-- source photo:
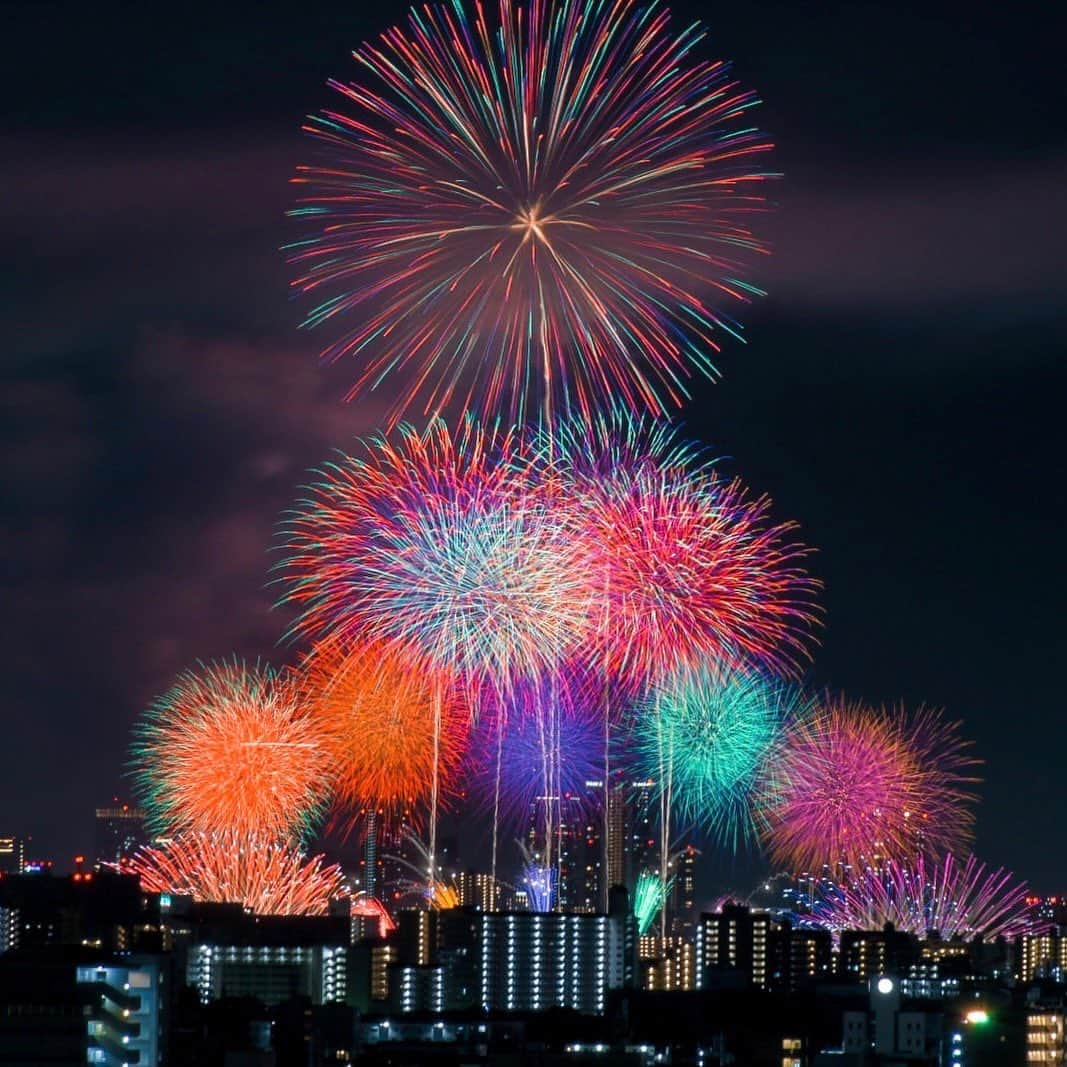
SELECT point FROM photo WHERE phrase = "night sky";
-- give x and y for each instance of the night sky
(901, 395)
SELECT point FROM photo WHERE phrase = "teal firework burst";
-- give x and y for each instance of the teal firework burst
(706, 738)
(649, 894)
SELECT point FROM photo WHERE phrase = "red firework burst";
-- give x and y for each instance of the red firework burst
(267, 878)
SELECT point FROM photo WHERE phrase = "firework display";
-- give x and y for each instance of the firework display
(372, 908)
(267, 878)
(554, 204)
(376, 717)
(720, 727)
(229, 748)
(539, 221)
(957, 900)
(853, 786)
(539, 882)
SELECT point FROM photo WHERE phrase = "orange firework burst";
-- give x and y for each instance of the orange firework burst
(229, 748)
(855, 785)
(267, 878)
(376, 714)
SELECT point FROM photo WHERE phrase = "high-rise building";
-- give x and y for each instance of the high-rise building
(1046, 1036)
(642, 843)
(864, 953)
(582, 854)
(1042, 956)
(798, 955)
(475, 890)
(508, 961)
(682, 899)
(535, 961)
(734, 939)
(120, 832)
(127, 1019)
(12, 855)
(616, 830)
(667, 963)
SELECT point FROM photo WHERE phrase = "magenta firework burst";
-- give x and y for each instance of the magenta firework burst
(855, 786)
(955, 900)
(512, 207)
(685, 565)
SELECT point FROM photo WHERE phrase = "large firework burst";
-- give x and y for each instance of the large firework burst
(378, 716)
(720, 727)
(955, 900)
(440, 543)
(229, 747)
(855, 786)
(267, 878)
(685, 565)
(513, 207)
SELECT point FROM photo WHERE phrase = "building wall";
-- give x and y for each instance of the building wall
(530, 962)
(128, 1021)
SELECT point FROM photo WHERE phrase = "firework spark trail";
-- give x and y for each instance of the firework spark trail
(511, 208)
(724, 726)
(538, 743)
(957, 900)
(440, 543)
(266, 877)
(539, 881)
(391, 733)
(230, 747)
(855, 785)
(436, 893)
(649, 898)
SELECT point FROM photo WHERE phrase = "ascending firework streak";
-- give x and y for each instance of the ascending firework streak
(515, 206)
(539, 880)
(437, 543)
(955, 901)
(854, 785)
(689, 569)
(267, 878)
(229, 747)
(547, 723)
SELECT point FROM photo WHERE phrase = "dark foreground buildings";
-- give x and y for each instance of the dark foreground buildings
(93, 971)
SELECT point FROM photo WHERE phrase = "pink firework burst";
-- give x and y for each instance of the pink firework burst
(955, 900)
(685, 565)
(855, 786)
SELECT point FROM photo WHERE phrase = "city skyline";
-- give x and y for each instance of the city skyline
(891, 500)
